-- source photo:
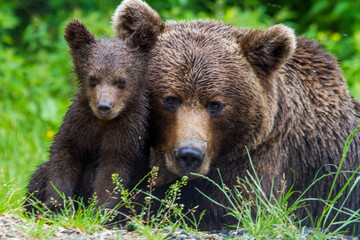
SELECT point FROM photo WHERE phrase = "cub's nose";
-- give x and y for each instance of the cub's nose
(189, 158)
(104, 107)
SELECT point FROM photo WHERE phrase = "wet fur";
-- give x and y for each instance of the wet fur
(284, 98)
(87, 149)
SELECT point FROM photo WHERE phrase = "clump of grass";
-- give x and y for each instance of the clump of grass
(11, 196)
(327, 220)
(72, 213)
(38, 227)
(165, 219)
(262, 216)
(266, 216)
(89, 218)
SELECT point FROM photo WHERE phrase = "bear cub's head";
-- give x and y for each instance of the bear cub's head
(110, 71)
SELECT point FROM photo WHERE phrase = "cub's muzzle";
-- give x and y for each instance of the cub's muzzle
(104, 108)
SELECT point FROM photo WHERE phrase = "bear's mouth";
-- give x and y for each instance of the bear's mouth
(106, 111)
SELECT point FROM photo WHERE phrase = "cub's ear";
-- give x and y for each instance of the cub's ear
(267, 50)
(77, 35)
(130, 15)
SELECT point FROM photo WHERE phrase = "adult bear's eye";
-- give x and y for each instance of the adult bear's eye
(92, 81)
(214, 108)
(171, 103)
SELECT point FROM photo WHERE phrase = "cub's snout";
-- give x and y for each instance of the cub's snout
(104, 108)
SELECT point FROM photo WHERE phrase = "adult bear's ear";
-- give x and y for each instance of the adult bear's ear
(267, 50)
(77, 35)
(143, 38)
(131, 15)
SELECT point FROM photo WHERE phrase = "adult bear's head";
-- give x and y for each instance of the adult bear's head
(213, 87)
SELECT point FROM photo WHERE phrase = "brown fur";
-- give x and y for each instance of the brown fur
(283, 97)
(105, 128)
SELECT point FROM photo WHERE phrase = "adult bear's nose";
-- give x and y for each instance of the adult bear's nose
(104, 108)
(189, 158)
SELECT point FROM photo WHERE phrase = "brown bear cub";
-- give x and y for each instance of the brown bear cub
(105, 128)
(215, 89)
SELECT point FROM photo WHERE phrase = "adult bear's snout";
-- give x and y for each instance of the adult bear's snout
(189, 158)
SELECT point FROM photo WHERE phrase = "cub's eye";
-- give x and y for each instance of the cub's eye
(214, 108)
(171, 103)
(121, 83)
(92, 81)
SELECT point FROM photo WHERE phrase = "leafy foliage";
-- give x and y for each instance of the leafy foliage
(36, 77)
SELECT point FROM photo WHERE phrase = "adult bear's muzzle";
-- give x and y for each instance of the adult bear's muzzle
(189, 158)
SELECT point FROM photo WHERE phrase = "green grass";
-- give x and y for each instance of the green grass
(10, 195)
(275, 217)
(73, 214)
(324, 222)
(89, 219)
(38, 228)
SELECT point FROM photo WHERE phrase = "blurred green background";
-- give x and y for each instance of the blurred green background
(35, 68)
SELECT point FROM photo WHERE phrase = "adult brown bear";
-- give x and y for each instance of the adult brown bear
(215, 89)
(105, 130)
